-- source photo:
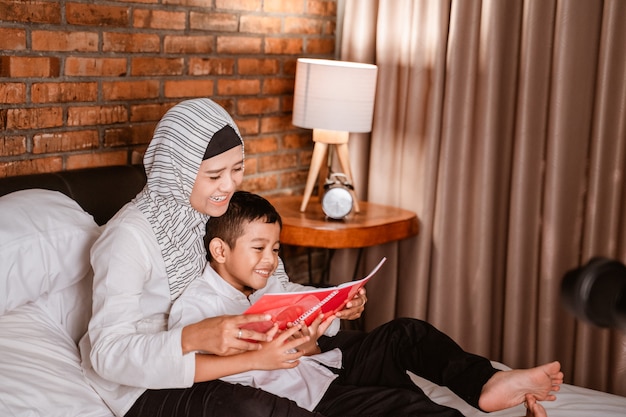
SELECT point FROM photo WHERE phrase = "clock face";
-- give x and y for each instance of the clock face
(337, 203)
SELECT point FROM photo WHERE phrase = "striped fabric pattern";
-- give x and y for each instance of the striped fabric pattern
(172, 161)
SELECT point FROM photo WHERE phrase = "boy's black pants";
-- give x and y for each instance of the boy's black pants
(374, 382)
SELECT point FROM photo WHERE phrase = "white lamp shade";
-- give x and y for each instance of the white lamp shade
(334, 95)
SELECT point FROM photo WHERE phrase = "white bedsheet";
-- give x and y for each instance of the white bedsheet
(572, 401)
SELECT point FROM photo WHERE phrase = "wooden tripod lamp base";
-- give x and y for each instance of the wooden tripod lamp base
(323, 139)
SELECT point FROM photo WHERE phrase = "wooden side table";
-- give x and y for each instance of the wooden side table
(375, 224)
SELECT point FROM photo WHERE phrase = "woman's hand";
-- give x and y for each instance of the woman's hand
(223, 335)
(354, 308)
(279, 353)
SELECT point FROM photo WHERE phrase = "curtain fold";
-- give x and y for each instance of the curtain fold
(502, 124)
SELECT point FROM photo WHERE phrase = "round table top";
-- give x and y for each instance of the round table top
(375, 224)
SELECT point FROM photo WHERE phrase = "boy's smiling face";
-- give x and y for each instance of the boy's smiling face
(248, 265)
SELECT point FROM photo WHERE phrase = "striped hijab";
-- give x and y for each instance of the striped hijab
(172, 161)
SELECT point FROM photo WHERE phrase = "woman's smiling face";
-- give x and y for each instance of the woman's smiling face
(217, 179)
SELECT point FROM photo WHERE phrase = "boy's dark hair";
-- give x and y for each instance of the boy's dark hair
(244, 207)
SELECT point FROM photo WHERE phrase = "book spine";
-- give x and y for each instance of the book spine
(317, 306)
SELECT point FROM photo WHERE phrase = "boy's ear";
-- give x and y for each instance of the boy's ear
(218, 247)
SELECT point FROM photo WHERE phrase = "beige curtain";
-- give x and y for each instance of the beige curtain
(502, 124)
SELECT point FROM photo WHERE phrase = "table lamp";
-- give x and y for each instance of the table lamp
(333, 98)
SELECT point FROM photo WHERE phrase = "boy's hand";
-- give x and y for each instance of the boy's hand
(280, 353)
(313, 332)
(355, 307)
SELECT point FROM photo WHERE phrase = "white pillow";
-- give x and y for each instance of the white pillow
(40, 368)
(45, 238)
(71, 307)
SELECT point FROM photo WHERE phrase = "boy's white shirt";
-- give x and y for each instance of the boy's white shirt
(210, 296)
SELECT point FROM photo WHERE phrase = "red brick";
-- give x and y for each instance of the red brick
(95, 67)
(65, 141)
(189, 88)
(276, 124)
(283, 6)
(149, 112)
(63, 92)
(31, 11)
(132, 135)
(188, 44)
(12, 39)
(238, 45)
(156, 66)
(284, 46)
(31, 166)
(320, 46)
(287, 102)
(247, 5)
(298, 140)
(278, 86)
(259, 24)
(87, 160)
(96, 115)
(158, 19)
(24, 66)
(238, 87)
(261, 184)
(128, 90)
(12, 93)
(294, 178)
(253, 66)
(89, 14)
(248, 126)
(130, 42)
(265, 105)
(44, 40)
(34, 118)
(12, 145)
(265, 144)
(218, 22)
(303, 25)
(211, 66)
(329, 28)
(322, 8)
(272, 163)
(250, 166)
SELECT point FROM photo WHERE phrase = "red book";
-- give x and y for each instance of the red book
(305, 306)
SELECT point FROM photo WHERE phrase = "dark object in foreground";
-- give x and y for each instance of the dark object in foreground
(596, 292)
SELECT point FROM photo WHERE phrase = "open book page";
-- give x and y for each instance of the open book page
(305, 306)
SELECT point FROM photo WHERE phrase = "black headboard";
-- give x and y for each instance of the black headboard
(100, 191)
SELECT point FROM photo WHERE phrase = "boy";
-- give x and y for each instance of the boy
(242, 249)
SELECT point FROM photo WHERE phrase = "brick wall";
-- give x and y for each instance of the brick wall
(83, 82)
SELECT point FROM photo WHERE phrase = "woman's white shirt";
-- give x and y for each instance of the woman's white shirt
(128, 347)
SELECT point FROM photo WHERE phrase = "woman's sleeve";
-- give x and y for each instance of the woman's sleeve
(130, 343)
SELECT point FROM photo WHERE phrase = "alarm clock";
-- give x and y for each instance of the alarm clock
(337, 200)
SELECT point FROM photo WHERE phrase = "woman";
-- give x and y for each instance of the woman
(153, 247)
(146, 256)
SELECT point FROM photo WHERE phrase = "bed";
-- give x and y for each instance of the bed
(47, 225)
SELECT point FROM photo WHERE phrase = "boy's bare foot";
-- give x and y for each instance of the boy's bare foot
(507, 389)
(533, 408)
